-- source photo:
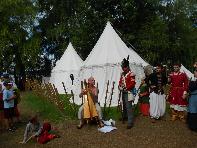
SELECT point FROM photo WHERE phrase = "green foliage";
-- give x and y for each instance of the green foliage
(159, 30)
(19, 43)
(70, 109)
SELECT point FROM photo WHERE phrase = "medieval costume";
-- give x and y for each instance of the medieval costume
(33, 127)
(157, 97)
(144, 98)
(40, 133)
(126, 84)
(46, 135)
(179, 87)
(192, 107)
(90, 109)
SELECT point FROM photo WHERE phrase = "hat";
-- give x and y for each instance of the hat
(125, 62)
(159, 65)
(5, 83)
(177, 64)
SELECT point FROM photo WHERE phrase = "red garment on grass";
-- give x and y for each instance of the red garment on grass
(179, 84)
(144, 109)
(45, 136)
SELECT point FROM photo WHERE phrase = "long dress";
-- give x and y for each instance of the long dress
(144, 100)
(157, 96)
(179, 84)
(192, 106)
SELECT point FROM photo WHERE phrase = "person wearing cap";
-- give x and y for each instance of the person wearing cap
(156, 81)
(178, 93)
(192, 106)
(8, 99)
(93, 90)
(126, 85)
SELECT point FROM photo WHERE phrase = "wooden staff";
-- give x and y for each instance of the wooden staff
(120, 107)
(82, 95)
(106, 99)
(112, 92)
(119, 97)
(27, 139)
(56, 91)
(64, 88)
(73, 105)
(72, 96)
(98, 91)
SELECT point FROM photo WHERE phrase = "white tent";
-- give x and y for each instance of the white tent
(103, 63)
(188, 73)
(69, 63)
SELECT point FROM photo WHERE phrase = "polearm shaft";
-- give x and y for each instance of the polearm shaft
(104, 113)
(82, 95)
(72, 96)
(73, 105)
(119, 97)
(64, 88)
(112, 92)
(98, 91)
(120, 107)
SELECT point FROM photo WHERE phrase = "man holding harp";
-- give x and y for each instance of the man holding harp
(90, 109)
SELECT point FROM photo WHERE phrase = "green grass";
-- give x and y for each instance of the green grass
(33, 104)
(70, 109)
(115, 114)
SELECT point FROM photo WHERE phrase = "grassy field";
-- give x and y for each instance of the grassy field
(32, 104)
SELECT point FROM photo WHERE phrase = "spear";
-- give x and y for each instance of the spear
(82, 89)
(119, 107)
(106, 98)
(112, 92)
(73, 105)
(64, 88)
(98, 91)
(119, 97)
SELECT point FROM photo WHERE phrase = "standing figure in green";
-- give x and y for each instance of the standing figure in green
(144, 98)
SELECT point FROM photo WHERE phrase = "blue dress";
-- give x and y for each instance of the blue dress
(192, 106)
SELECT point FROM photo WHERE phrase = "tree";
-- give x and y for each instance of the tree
(19, 41)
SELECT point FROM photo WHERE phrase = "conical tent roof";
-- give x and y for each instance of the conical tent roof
(110, 49)
(69, 63)
(70, 60)
(103, 63)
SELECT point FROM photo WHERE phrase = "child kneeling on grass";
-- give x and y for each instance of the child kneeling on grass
(39, 133)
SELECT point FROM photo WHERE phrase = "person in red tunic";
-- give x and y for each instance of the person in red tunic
(178, 93)
(126, 85)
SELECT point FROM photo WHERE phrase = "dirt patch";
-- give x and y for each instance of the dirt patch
(162, 134)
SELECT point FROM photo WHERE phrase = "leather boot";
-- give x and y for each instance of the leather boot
(182, 116)
(174, 115)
